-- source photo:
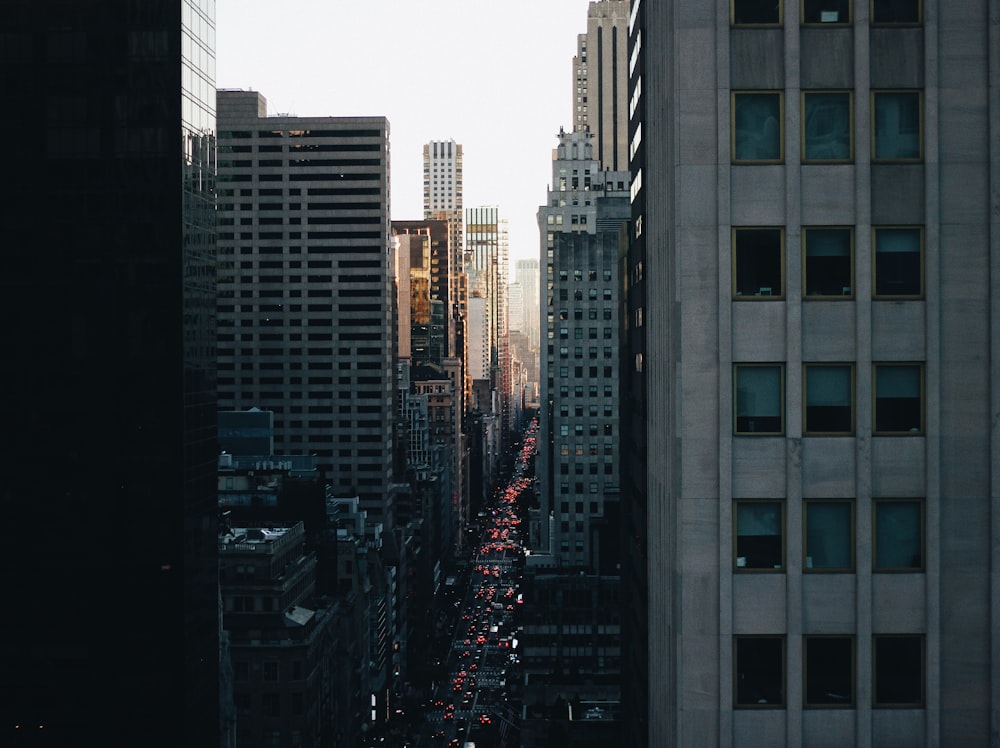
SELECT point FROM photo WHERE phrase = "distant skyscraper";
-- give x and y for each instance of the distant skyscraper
(578, 423)
(810, 446)
(109, 447)
(305, 299)
(600, 78)
(526, 272)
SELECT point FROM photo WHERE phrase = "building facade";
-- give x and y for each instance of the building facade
(600, 81)
(578, 420)
(305, 287)
(810, 458)
(110, 373)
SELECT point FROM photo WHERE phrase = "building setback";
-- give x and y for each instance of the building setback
(600, 82)
(305, 287)
(810, 458)
(111, 575)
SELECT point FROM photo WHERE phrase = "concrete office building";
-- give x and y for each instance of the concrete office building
(810, 458)
(578, 421)
(111, 565)
(600, 82)
(526, 273)
(305, 288)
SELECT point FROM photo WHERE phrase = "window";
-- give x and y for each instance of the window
(896, 126)
(898, 399)
(827, 134)
(270, 670)
(829, 542)
(760, 671)
(895, 11)
(829, 670)
(758, 267)
(898, 257)
(759, 535)
(829, 394)
(899, 670)
(756, 12)
(757, 118)
(829, 262)
(826, 11)
(899, 531)
(759, 397)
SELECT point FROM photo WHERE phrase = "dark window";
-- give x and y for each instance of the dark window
(899, 541)
(759, 394)
(899, 670)
(757, 118)
(758, 271)
(898, 398)
(760, 671)
(756, 12)
(896, 11)
(829, 670)
(759, 531)
(829, 399)
(829, 536)
(826, 126)
(829, 266)
(898, 261)
(897, 126)
(826, 11)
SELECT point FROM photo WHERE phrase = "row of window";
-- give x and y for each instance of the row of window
(828, 262)
(828, 538)
(828, 399)
(825, 12)
(578, 352)
(829, 671)
(827, 126)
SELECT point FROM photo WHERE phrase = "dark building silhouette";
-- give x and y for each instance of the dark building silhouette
(111, 631)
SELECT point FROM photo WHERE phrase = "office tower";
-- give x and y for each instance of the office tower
(305, 298)
(526, 272)
(810, 454)
(443, 201)
(578, 420)
(111, 568)
(443, 186)
(442, 292)
(600, 78)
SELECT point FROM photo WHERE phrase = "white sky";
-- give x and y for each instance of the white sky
(495, 76)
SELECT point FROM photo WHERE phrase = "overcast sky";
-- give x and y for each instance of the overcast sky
(495, 76)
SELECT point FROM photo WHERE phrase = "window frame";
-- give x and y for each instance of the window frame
(920, 429)
(918, 22)
(782, 640)
(875, 158)
(849, 230)
(767, 25)
(735, 231)
(921, 529)
(734, 95)
(849, 159)
(853, 677)
(808, 569)
(921, 702)
(783, 531)
(920, 259)
(781, 398)
(827, 24)
(806, 431)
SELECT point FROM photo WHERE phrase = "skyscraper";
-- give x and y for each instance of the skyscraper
(810, 457)
(600, 81)
(111, 574)
(578, 421)
(305, 291)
